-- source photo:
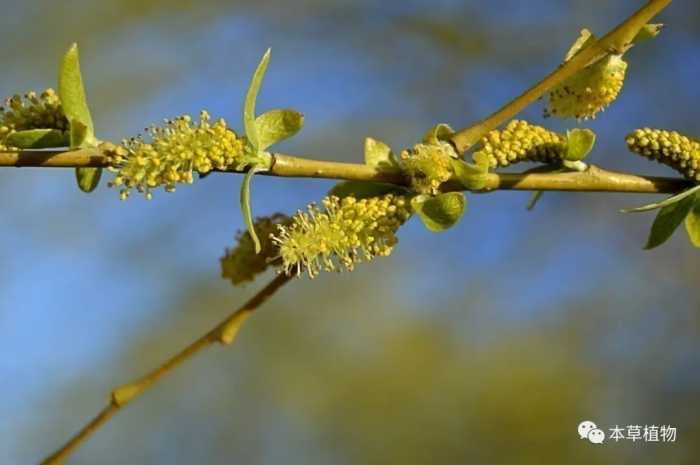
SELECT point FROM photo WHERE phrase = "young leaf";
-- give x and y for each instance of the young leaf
(649, 31)
(668, 220)
(441, 212)
(472, 176)
(580, 142)
(37, 139)
(250, 99)
(245, 205)
(365, 190)
(665, 203)
(378, 155)
(692, 223)
(72, 93)
(438, 133)
(88, 178)
(277, 125)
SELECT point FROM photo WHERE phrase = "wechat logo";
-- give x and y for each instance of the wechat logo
(588, 430)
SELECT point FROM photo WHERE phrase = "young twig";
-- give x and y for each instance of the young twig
(224, 333)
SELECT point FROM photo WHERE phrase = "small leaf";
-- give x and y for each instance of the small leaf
(439, 133)
(692, 223)
(473, 177)
(585, 39)
(579, 144)
(250, 99)
(88, 178)
(78, 133)
(277, 125)
(669, 201)
(441, 212)
(378, 155)
(72, 93)
(668, 220)
(245, 205)
(534, 199)
(364, 190)
(37, 139)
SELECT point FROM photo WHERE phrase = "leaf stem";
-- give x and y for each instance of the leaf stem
(224, 333)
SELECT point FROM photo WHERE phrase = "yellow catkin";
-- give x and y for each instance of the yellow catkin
(428, 166)
(345, 232)
(522, 141)
(671, 148)
(241, 264)
(589, 91)
(173, 153)
(31, 111)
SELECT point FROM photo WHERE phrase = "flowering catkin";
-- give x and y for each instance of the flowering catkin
(31, 111)
(671, 148)
(345, 232)
(241, 263)
(428, 166)
(174, 153)
(522, 141)
(590, 90)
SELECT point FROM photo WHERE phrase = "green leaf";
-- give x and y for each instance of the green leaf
(441, 212)
(580, 142)
(585, 39)
(277, 125)
(668, 220)
(72, 94)
(692, 223)
(534, 199)
(439, 133)
(88, 178)
(250, 99)
(378, 155)
(669, 201)
(365, 190)
(37, 139)
(245, 205)
(472, 176)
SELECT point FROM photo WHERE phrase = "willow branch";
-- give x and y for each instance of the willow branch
(615, 42)
(592, 180)
(224, 333)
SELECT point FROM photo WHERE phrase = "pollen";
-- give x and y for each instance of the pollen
(522, 141)
(671, 148)
(428, 166)
(171, 154)
(341, 234)
(31, 111)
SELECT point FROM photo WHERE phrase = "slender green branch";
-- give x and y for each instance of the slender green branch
(592, 180)
(616, 41)
(224, 333)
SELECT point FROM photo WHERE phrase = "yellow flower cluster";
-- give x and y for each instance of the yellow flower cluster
(428, 166)
(31, 111)
(671, 148)
(522, 141)
(241, 263)
(347, 231)
(589, 91)
(173, 153)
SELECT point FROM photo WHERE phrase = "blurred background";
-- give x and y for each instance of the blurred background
(486, 344)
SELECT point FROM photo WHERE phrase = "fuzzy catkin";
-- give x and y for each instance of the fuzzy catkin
(589, 91)
(522, 141)
(173, 153)
(241, 264)
(31, 111)
(428, 166)
(345, 232)
(671, 148)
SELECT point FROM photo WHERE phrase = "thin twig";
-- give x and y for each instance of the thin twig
(592, 180)
(616, 41)
(224, 333)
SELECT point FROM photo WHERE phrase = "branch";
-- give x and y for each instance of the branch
(224, 333)
(592, 180)
(616, 41)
